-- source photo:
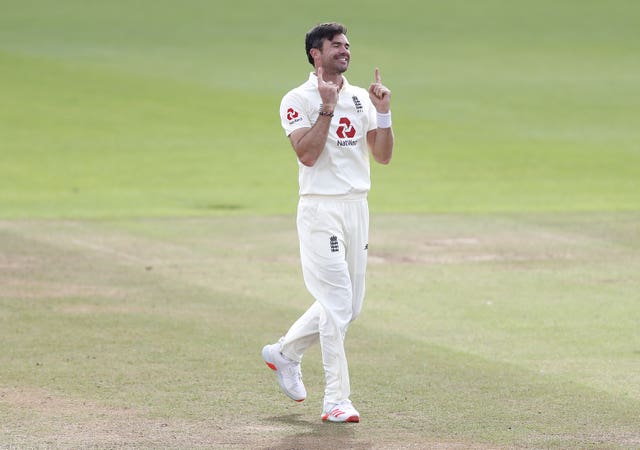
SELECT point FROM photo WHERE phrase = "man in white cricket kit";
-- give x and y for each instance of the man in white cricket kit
(332, 127)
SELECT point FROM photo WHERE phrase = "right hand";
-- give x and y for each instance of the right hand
(328, 91)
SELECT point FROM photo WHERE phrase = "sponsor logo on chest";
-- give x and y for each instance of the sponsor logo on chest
(345, 132)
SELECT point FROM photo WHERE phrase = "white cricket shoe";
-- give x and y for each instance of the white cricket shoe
(288, 372)
(342, 412)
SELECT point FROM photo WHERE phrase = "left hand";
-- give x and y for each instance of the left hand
(379, 94)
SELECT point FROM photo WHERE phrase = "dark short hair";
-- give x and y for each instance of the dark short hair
(319, 33)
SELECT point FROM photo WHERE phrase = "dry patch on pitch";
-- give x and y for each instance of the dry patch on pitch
(39, 418)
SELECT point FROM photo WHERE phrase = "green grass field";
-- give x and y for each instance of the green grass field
(147, 235)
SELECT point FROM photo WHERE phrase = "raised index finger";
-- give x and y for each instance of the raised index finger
(378, 79)
(319, 72)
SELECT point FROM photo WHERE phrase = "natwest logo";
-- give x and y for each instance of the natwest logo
(345, 129)
(291, 114)
(345, 133)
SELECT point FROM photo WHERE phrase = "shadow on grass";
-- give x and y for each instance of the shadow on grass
(306, 434)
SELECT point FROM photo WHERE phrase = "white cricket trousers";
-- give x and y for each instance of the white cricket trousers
(333, 234)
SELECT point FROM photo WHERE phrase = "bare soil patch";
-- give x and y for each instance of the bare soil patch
(39, 418)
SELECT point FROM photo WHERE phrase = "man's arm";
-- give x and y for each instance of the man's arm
(380, 143)
(381, 140)
(308, 143)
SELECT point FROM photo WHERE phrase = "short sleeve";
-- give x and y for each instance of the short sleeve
(293, 114)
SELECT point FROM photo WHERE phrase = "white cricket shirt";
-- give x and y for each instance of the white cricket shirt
(343, 165)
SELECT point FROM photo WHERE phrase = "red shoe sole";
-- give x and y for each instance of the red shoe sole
(352, 419)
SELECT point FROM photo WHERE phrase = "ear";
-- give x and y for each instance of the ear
(315, 53)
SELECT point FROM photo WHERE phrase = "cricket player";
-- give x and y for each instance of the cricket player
(332, 126)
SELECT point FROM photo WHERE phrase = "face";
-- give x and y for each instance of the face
(334, 56)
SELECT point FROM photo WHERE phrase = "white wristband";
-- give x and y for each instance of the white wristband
(384, 120)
